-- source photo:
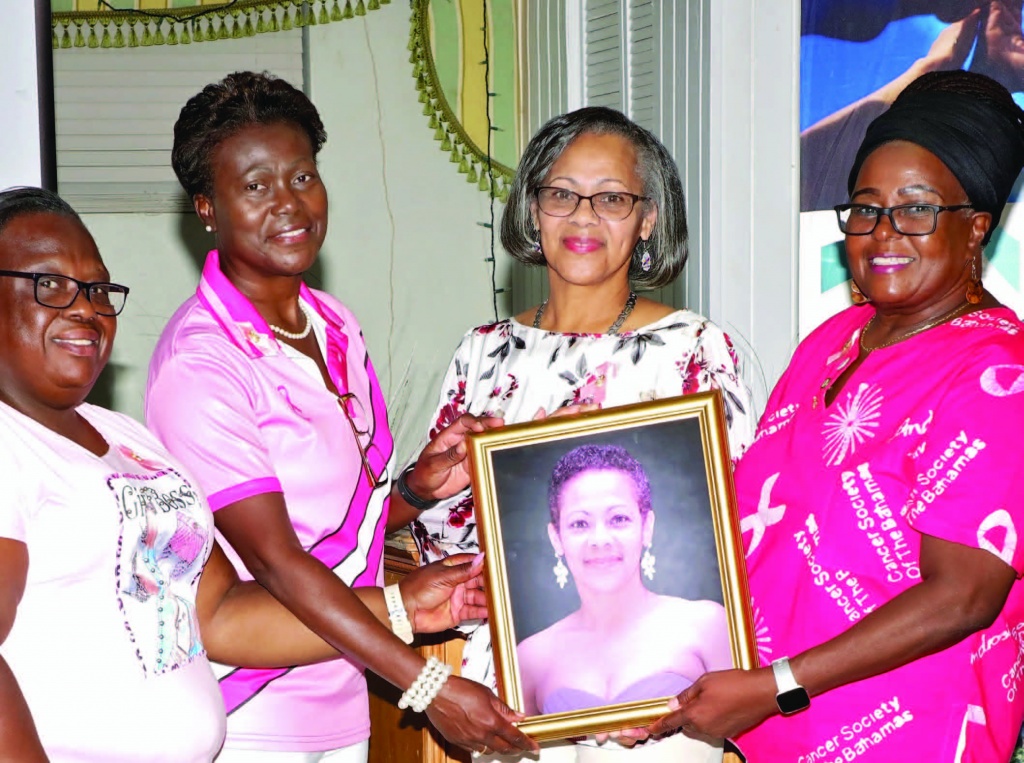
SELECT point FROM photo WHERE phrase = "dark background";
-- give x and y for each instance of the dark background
(684, 538)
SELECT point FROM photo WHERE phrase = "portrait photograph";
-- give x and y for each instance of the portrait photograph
(613, 560)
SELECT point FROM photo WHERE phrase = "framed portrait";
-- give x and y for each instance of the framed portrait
(614, 564)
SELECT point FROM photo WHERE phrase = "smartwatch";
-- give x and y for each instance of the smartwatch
(397, 613)
(791, 697)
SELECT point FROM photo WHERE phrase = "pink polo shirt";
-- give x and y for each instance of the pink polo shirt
(246, 420)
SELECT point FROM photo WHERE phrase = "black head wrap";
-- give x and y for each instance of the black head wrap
(979, 140)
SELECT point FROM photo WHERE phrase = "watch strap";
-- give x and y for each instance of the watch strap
(397, 613)
(784, 678)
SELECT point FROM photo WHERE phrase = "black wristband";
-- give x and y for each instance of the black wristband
(410, 497)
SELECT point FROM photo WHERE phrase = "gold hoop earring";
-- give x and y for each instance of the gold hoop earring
(856, 295)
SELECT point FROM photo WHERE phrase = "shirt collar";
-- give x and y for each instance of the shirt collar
(241, 321)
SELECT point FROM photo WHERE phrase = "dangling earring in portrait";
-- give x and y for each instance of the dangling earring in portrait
(647, 563)
(856, 294)
(209, 229)
(561, 572)
(975, 291)
(644, 248)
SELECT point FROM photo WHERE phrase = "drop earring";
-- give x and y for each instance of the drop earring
(856, 295)
(561, 572)
(209, 229)
(975, 291)
(645, 256)
(647, 563)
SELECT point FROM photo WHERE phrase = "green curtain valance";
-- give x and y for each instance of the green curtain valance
(135, 23)
(464, 59)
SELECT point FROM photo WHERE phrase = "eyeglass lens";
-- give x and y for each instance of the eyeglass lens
(911, 219)
(355, 413)
(60, 292)
(609, 205)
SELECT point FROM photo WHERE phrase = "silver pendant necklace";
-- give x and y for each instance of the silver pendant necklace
(613, 329)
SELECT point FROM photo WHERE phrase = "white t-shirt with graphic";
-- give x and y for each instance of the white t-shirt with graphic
(105, 644)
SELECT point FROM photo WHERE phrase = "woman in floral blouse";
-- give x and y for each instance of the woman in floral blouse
(598, 201)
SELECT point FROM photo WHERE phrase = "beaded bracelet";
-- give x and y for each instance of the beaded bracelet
(427, 686)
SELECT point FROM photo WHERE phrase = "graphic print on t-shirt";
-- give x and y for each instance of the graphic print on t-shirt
(162, 550)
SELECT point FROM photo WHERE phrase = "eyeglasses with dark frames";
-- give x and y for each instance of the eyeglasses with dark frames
(59, 292)
(608, 205)
(906, 219)
(349, 399)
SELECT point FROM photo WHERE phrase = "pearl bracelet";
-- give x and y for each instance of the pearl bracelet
(426, 686)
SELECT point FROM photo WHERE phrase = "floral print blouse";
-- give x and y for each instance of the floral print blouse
(510, 370)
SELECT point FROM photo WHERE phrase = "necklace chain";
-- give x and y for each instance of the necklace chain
(923, 327)
(613, 329)
(295, 334)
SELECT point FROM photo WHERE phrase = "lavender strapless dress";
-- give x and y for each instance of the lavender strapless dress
(654, 686)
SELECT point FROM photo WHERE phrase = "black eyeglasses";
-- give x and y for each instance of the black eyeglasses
(376, 480)
(608, 205)
(907, 219)
(59, 292)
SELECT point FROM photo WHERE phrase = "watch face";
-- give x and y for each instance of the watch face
(793, 701)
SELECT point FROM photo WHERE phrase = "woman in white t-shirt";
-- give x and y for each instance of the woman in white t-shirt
(108, 567)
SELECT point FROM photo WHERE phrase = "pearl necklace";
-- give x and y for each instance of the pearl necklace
(613, 329)
(923, 327)
(292, 334)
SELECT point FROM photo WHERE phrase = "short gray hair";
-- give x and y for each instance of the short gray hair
(667, 245)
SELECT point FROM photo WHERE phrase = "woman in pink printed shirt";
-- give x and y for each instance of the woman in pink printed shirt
(263, 388)
(882, 500)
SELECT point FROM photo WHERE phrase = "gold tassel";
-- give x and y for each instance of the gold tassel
(484, 184)
(248, 29)
(133, 38)
(94, 41)
(349, 13)
(446, 143)
(65, 40)
(172, 35)
(455, 157)
(336, 12)
(373, 5)
(186, 39)
(54, 43)
(324, 17)
(360, 8)
(79, 37)
(158, 38)
(471, 175)
(222, 33)
(286, 20)
(236, 27)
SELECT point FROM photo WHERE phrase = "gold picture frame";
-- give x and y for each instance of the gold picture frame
(681, 447)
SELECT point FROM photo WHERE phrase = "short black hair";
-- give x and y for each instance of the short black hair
(597, 458)
(223, 108)
(27, 200)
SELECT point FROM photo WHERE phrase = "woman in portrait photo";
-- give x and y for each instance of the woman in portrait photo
(625, 643)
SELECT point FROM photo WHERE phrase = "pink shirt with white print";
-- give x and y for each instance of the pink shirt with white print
(247, 419)
(922, 439)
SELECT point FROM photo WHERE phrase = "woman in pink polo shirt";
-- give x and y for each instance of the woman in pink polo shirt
(263, 388)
